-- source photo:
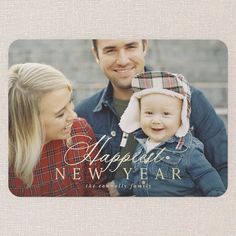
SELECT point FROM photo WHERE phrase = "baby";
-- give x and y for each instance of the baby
(168, 160)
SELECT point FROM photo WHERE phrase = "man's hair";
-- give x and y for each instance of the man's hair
(94, 41)
(28, 83)
(95, 46)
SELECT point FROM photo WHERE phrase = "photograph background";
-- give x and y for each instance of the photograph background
(204, 63)
(87, 19)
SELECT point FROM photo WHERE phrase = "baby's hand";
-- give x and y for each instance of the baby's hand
(112, 189)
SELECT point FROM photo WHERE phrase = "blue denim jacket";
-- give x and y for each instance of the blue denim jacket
(207, 127)
(184, 172)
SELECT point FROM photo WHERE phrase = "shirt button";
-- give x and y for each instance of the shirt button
(167, 157)
(113, 133)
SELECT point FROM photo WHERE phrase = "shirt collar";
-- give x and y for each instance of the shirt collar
(106, 98)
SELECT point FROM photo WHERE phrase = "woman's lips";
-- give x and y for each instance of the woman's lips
(68, 127)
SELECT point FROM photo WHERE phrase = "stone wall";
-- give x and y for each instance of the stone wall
(203, 62)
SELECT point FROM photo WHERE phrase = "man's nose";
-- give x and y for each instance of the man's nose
(123, 58)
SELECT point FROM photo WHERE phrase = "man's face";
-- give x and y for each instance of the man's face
(121, 60)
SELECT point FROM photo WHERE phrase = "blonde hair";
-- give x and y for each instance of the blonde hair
(27, 84)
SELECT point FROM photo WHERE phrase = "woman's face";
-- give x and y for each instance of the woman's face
(57, 114)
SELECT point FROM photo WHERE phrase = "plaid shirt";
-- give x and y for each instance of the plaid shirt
(58, 172)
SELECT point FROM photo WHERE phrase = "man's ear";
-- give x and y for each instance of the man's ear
(145, 46)
(95, 54)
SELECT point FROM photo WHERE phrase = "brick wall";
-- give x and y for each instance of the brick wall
(203, 62)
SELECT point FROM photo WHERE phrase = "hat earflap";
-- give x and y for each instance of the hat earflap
(130, 120)
(184, 128)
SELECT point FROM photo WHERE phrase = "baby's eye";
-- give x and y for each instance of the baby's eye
(166, 113)
(148, 113)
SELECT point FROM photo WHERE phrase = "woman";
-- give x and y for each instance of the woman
(50, 150)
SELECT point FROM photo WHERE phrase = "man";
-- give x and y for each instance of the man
(120, 61)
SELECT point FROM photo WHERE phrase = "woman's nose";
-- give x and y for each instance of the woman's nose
(71, 115)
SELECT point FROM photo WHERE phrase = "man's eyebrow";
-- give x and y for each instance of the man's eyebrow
(108, 48)
(131, 44)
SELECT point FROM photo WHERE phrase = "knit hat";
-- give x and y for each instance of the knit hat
(161, 82)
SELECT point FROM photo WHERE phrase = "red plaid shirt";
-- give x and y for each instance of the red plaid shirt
(58, 172)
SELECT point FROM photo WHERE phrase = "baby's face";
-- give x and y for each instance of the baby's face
(160, 116)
